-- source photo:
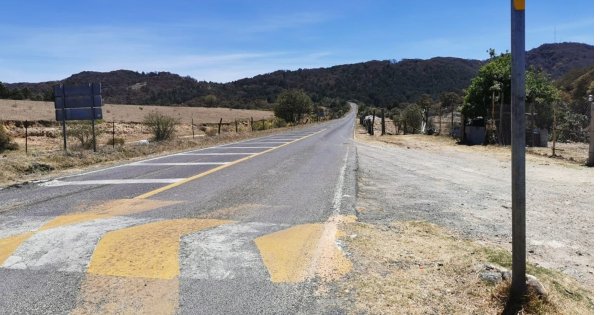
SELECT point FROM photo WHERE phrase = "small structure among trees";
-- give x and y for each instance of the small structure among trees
(488, 98)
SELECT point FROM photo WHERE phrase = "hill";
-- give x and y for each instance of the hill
(374, 82)
(559, 59)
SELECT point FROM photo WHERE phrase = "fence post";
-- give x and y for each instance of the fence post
(251, 124)
(113, 133)
(26, 135)
(264, 124)
(220, 121)
(193, 135)
(236, 128)
(382, 121)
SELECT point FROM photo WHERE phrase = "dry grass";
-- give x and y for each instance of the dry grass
(419, 268)
(33, 110)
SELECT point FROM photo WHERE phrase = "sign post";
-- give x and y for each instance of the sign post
(519, 285)
(83, 102)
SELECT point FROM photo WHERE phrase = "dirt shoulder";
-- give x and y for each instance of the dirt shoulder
(433, 217)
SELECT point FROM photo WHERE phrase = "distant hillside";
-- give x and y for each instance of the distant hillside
(559, 59)
(373, 82)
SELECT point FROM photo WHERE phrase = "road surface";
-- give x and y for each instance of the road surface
(247, 227)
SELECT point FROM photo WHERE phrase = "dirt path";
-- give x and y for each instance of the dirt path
(468, 191)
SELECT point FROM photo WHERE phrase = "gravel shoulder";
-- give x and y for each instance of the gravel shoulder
(467, 191)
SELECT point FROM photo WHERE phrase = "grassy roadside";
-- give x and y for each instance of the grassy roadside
(17, 168)
(420, 268)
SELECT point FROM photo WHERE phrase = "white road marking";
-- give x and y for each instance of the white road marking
(179, 164)
(339, 187)
(225, 252)
(223, 153)
(57, 183)
(65, 248)
(245, 147)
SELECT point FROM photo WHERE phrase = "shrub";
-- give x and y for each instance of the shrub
(6, 141)
(162, 126)
(211, 132)
(82, 131)
(279, 123)
(117, 141)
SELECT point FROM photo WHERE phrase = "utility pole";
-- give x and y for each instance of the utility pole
(590, 161)
(518, 286)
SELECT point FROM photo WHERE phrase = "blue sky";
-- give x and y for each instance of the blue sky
(227, 40)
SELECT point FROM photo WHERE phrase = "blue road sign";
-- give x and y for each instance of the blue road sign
(85, 113)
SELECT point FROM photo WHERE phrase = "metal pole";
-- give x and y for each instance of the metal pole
(64, 118)
(590, 161)
(518, 287)
(93, 119)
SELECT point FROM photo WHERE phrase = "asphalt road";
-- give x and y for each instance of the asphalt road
(247, 227)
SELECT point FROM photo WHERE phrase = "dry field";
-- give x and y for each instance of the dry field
(32, 111)
(44, 140)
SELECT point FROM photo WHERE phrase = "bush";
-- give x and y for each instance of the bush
(162, 126)
(279, 123)
(6, 141)
(211, 132)
(82, 131)
(117, 141)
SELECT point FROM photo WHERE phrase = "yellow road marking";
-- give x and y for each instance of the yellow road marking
(9, 245)
(107, 210)
(216, 169)
(304, 251)
(287, 254)
(118, 295)
(146, 251)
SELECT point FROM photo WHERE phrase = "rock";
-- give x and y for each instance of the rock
(491, 276)
(143, 142)
(536, 285)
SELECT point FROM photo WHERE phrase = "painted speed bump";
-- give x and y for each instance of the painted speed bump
(146, 251)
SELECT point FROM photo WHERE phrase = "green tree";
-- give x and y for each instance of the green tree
(292, 105)
(412, 117)
(492, 76)
(492, 84)
(540, 97)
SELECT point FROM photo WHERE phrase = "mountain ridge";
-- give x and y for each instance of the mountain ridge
(375, 82)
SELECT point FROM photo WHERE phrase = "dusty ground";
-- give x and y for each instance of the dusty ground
(467, 190)
(433, 216)
(415, 267)
(32, 110)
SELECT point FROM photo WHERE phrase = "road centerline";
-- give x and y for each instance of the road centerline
(216, 169)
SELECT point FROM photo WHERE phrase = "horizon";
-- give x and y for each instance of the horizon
(225, 41)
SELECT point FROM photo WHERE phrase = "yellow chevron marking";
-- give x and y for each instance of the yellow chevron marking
(109, 209)
(9, 245)
(146, 251)
(303, 251)
(287, 254)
